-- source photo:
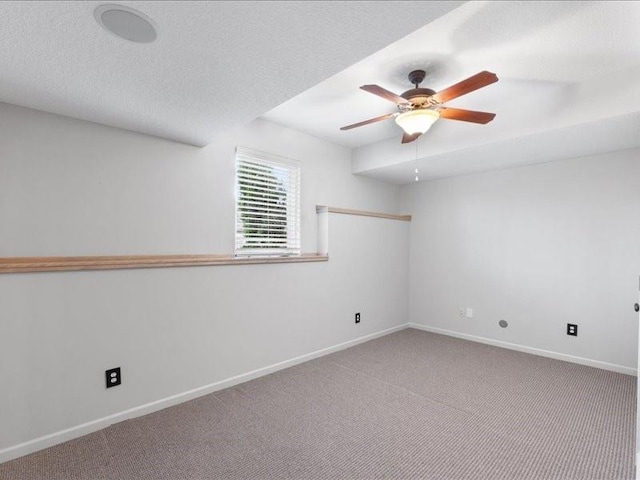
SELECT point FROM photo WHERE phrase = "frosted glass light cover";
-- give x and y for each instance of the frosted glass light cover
(417, 121)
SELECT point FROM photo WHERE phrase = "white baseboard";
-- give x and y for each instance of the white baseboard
(46, 441)
(61, 436)
(535, 351)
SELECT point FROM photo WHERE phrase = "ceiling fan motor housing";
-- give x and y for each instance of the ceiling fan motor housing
(419, 97)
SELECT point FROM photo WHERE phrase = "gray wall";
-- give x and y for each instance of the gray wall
(539, 246)
(74, 188)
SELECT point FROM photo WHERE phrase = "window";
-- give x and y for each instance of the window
(267, 204)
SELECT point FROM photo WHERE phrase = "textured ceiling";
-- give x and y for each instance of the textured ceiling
(214, 66)
(560, 64)
(534, 47)
(569, 73)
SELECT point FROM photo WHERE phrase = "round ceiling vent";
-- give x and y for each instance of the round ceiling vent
(126, 22)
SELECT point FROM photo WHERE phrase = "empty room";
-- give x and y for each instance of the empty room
(319, 240)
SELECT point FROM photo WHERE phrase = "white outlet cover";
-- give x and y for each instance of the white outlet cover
(469, 313)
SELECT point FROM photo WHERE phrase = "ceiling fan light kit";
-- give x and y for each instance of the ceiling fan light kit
(417, 121)
(419, 108)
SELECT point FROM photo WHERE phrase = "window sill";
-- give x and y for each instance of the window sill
(60, 264)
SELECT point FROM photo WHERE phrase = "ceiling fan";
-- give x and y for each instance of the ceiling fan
(419, 108)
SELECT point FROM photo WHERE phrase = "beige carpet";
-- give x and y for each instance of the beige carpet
(409, 405)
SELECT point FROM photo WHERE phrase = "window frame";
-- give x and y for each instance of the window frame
(285, 174)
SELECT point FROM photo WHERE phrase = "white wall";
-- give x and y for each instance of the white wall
(539, 246)
(69, 187)
(74, 188)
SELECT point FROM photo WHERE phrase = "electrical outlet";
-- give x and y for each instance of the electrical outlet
(572, 329)
(113, 377)
(462, 312)
(358, 317)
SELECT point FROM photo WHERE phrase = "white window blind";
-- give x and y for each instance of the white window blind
(267, 204)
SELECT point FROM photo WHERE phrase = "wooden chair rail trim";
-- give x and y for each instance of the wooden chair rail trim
(363, 213)
(61, 264)
(64, 264)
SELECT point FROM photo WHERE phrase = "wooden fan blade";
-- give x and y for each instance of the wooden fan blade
(475, 82)
(466, 115)
(386, 94)
(371, 120)
(408, 138)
